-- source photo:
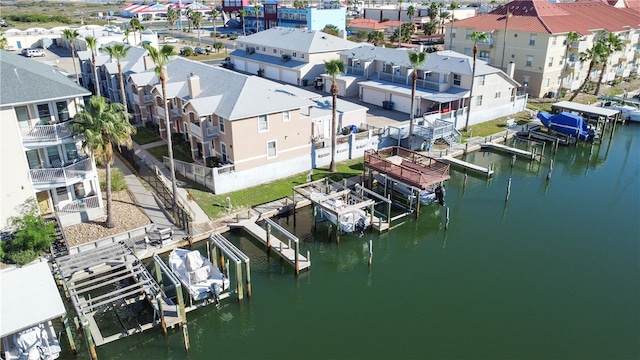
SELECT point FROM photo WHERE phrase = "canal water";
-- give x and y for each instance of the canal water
(552, 273)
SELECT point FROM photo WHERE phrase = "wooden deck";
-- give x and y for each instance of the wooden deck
(409, 167)
(278, 246)
(508, 149)
(468, 166)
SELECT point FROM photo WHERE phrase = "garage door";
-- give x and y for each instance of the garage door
(373, 97)
(401, 103)
(238, 64)
(252, 68)
(271, 72)
(290, 77)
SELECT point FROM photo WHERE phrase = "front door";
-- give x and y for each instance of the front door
(223, 151)
(43, 202)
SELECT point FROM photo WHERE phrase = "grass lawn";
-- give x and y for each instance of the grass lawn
(145, 136)
(495, 126)
(214, 205)
(159, 151)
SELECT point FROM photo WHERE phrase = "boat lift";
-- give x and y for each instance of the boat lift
(217, 246)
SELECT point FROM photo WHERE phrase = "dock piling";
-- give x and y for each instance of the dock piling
(513, 160)
(508, 190)
(464, 182)
(550, 172)
(370, 252)
(185, 332)
(446, 224)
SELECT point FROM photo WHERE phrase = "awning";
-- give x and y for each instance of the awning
(29, 297)
(448, 96)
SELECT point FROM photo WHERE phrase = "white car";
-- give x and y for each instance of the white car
(170, 40)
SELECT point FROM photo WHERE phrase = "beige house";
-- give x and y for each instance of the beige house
(40, 155)
(292, 56)
(534, 39)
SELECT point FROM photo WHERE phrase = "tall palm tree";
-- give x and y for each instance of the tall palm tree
(172, 17)
(256, 10)
(594, 56)
(119, 52)
(214, 15)
(127, 33)
(196, 19)
(376, 37)
(444, 16)
(611, 43)
(92, 43)
(504, 37)
(161, 59)
(453, 6)
(333, 68)
(411, 12)
(189, 13)
(135, 26)
(103, 126)
(416, 58)
(243, 14)
(476, 36)
(571, 37)
(71, 35)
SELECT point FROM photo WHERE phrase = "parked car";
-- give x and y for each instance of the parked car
(33, 52)
(170, 40)
(199, 50)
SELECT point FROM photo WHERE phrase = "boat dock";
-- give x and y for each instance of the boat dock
(508, 149)
(488, 171)
(279, 247)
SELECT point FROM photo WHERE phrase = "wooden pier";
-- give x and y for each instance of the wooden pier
(488, 171)
(279, 247)
(511, 150)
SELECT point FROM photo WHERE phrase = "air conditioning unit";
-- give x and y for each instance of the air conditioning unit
(286, 57)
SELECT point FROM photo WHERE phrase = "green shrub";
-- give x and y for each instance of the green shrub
(32, 235)
(187, 51)
(117, 180)
(21, 257)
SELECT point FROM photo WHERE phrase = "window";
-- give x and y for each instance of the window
(62, 193)
(275, 51)
(525, 80)
(453, 33)
(63, 111)
(479, 100)
(263, 123)
(456, 79)
(72, 152)
(286, 115)
(294, 54)
(468, 34)
(221, 124)
(481, 80)
(43, 112)
(264, 48)
(532, 39)
(561, 60)
(498, 95)
(272, 150)
(554, 40)
(23, 117)
(529, 61)
(548, 82)
(54, 156)
(550, 61)
(484, 54)
(281, 52)
(301, 56)
(467, 51)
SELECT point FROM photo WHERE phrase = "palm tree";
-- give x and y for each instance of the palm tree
(196, 19)
(504, 37)
(416, 58)
(71, 35)
(444, 16)
(476, 36)
(189, 13)
(376, 37)
(103, 126)
(127, 32)
(411, 12)
(161, 59)
(119, 52)
(242, 16)
(453, 6)
(611, 43)
(571, 37)
(256, 10)
(333, 68)
(93, 44)
(594, 56)
(135, 25)
(172, 17)
(214, 15)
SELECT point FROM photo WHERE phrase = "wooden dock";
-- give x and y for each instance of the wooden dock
(279, 247)
(511, 150)
(488, 171)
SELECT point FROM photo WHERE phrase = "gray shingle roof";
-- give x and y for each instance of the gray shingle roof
(307, 41)
(24, 81)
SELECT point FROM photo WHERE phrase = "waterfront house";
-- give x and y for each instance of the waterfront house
(534, 39)
(293, 56)
(40, 156)
(384, 77)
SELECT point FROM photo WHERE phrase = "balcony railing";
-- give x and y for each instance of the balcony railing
(195, 130)
(79, 205)
(62, 175)
(358, 71)
(431, 85)
(41, 133)
(175, 113)
(393, 78)
(579, 45)
(148, 99)
(212, 132)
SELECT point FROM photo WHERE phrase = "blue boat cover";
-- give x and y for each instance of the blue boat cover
(566, 123)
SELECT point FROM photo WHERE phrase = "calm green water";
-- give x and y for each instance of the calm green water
(554, 273)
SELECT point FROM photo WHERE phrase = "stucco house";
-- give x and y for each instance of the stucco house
(384, 77)
(293, 56)
(532, 34)
(40, 155)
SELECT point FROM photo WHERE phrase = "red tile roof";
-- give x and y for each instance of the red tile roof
(541, 16)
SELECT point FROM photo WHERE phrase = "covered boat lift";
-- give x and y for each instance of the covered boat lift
(592, 114)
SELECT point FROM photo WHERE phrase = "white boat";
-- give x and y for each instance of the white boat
(197, 274)
(38, 342)
(353, 221)
(634, 116)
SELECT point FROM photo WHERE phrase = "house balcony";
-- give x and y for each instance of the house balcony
(78, 205)
(213, 132)
(175, 113)
(571, 85)
(431, 85)
(352, 70)
(43, 179)
(393, 78)
(147, 99)
(579, 45)
(623, 72)
(41, 134)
